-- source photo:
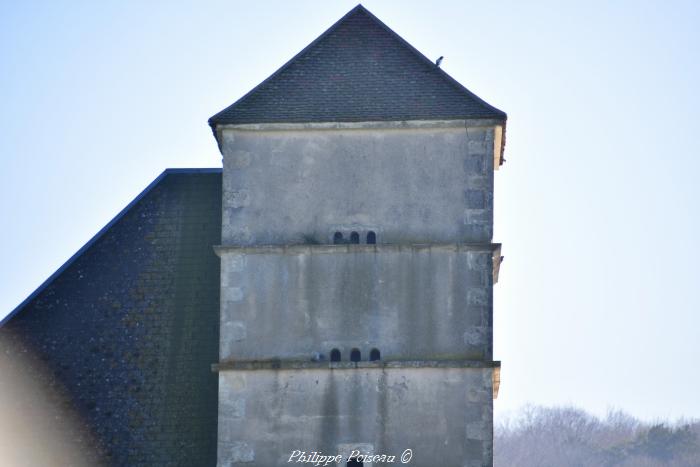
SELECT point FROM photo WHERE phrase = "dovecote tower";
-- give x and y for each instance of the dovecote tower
(357, 262)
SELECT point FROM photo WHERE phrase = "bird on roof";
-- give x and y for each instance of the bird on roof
(439, 61)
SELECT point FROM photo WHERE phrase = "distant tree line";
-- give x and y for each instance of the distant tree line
(571, 437)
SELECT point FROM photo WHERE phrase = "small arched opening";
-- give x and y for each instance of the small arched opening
(355, 355)
(374, 355)
(354, 237)
(337, 238)
(335, 355)
(371, 238)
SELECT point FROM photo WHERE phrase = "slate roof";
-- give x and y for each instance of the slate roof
(358, 70)
(129, 327)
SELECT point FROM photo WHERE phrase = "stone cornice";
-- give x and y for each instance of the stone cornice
(279, 364)
(354, 248)
(377, 125)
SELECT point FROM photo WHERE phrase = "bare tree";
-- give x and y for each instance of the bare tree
(568, 436)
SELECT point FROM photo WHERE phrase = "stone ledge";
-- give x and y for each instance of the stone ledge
(300, 249)
(354, 248)
(247, 365)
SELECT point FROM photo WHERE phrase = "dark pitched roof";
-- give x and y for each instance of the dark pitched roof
(129, 326)
(358, 70)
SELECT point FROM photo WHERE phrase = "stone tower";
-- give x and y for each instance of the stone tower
(356, 261)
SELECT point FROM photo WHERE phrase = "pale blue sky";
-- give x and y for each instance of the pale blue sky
(598, 299)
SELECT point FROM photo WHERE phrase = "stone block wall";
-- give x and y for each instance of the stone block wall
(408, 184)
(409, 302)
(265, 415)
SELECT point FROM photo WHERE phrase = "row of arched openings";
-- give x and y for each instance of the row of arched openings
(370, 239)
(356, 355)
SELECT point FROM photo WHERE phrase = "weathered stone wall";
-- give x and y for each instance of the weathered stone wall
(422, 294)
(410, 302)
(444, 415)
(409, 185)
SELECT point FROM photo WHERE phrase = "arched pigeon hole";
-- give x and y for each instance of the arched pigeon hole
(355, 355)
(337, 238)
(354, 237)
(371, 237)
(374, 355)
(335, 355)
(354, 462)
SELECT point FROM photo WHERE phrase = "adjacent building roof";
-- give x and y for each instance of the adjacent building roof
(129, 328)
(358, 70)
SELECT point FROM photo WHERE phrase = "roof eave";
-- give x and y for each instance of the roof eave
(499, 125)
